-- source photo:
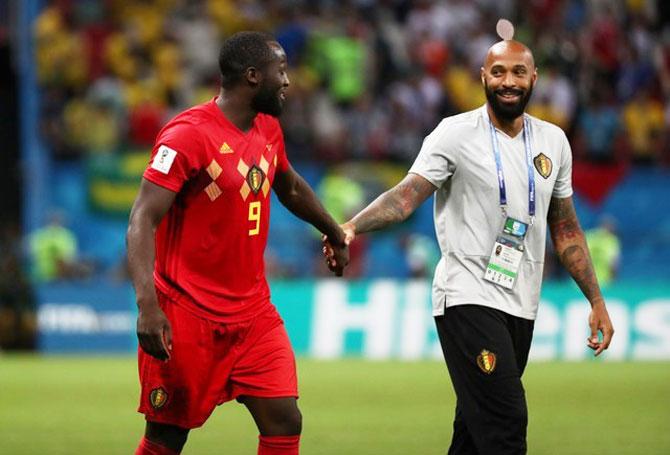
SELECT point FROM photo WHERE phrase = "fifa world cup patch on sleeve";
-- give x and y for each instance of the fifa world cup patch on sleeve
(486, 361)
(164, 159)
(158, 397)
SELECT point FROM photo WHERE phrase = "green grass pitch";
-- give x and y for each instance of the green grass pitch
(66, 405)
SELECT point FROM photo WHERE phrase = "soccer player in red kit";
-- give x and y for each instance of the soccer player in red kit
(207, 330)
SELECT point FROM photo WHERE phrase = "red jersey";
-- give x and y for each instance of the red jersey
(210, 244)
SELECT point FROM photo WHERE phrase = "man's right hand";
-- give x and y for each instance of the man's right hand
(154, 332)
(337, 257)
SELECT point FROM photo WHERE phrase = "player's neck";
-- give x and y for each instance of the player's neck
(236, 110)
(510, 127)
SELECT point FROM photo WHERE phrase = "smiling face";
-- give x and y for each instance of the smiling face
(271, 94)
(508, 76)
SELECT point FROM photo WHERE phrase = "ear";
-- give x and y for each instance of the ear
(253, 76)
(534, 76)
(482, 76)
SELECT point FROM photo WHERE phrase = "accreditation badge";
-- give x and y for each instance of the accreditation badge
(503, 266)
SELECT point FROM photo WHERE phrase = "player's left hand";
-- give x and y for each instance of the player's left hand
(599, 321)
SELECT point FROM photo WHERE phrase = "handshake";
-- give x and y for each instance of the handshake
(336, 251)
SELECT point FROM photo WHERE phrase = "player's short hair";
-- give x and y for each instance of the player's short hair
(242, 50)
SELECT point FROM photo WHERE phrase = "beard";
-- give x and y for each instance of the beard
(267, 101)
(508, 112)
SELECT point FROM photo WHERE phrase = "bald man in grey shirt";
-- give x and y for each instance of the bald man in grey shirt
(500, 177)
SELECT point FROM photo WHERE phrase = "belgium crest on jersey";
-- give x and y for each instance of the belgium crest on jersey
(255, 178)
(486, 361)
(158, 397)
(543, 165)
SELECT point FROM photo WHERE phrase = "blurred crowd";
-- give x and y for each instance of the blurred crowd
(368, 78)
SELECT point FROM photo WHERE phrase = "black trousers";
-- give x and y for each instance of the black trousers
(486, 351)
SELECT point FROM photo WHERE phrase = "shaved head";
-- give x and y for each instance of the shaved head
(508, 77)
(509, 49)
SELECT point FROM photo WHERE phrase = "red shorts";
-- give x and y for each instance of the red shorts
(213, 362)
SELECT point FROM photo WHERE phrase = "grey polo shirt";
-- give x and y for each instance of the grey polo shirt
(457, 157)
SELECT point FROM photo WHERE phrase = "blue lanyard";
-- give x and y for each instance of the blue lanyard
(529, 163)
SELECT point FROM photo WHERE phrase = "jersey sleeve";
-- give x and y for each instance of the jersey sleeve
(282, 159)
(563, 185)
(436, 161)
(175, 158)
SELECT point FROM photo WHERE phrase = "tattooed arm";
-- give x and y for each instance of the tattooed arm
(393, 206)
(570, 245)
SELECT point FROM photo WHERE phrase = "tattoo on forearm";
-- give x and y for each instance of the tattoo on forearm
(562, 220)
(571, 247)
(566, 229)
(393, 206)
(384, 211)
(578, 263)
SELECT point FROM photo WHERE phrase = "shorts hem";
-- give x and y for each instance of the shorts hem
(176, 422)
(257, 394)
